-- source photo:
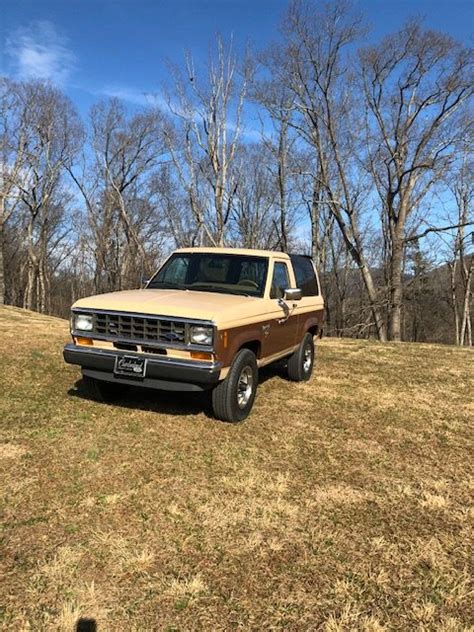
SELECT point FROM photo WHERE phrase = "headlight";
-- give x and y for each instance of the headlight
(201, 335)
(83, 322)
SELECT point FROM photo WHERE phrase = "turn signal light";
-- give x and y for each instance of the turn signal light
(201, 355)
(85, 341)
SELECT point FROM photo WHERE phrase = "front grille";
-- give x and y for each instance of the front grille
(147, 328)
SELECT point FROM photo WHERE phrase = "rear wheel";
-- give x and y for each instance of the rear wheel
(300, 364)
(233, 398)
(103, 391)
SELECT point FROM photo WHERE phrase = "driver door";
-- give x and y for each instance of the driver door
(281, 328)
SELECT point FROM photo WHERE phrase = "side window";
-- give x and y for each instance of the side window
(304, 274)
(280, 280)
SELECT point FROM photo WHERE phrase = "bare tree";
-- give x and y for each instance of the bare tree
(119, 189)
(46, 135)
(415, 82)
(12, 156)
(255, 207)
(312, 63)
(277, 101)
(204, 142)
(461, 265)
(174, 207)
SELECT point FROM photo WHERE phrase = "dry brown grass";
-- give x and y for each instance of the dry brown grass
(341, 504)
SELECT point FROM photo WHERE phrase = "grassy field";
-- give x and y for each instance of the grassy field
(341, 504)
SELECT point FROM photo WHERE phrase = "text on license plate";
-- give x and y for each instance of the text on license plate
(130, 365)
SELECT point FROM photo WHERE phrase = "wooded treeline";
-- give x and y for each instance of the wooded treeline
(359, 154)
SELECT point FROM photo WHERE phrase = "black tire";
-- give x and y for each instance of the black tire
(301, 363)
(231, 399)
(103, 391)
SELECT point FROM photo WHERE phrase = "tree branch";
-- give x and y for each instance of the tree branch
(433, 229)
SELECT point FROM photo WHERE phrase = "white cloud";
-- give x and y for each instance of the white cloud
(40, 52)
(157, 100)
(134, 96)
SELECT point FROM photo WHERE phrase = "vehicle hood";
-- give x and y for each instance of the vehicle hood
(178, 303)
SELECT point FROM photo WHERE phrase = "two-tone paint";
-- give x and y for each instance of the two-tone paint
(260, 323)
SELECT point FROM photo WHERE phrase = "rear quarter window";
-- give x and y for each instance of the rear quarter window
(305, 275)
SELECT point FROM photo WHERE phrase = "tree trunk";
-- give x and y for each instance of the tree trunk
(372, 294)
(396, 290)
(357, 255)
(465, 335)
(30, 287)
(42, 289)
(282, 156)
(454, 304)
(315, 240)
(2, 266)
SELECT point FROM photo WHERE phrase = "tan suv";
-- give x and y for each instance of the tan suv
(207, 320)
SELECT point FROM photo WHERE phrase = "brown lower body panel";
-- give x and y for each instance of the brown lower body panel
(270, 337)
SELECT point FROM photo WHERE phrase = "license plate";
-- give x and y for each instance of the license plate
(130, 365)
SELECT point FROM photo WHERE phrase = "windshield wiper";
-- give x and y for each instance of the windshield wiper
(168, 286)
(204, 287)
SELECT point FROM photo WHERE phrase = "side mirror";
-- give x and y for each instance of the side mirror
(293, 294)
(144, 280)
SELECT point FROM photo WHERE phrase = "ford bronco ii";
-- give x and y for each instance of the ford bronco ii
(207, 320)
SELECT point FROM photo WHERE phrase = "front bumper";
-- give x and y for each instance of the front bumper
(161, 373)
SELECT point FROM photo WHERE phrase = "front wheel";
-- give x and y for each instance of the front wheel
(300, 364)
(233, 398)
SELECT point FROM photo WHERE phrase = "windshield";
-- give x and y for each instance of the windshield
(208, 272)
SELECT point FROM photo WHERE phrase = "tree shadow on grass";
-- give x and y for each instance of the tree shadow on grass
(170, 402)
(86, 625)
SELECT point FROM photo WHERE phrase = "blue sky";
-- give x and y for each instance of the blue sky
(93, 48)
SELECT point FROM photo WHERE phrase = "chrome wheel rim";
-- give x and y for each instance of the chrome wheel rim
(307, 359)
(244, 387)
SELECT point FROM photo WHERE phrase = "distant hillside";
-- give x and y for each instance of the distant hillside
(427, 314)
